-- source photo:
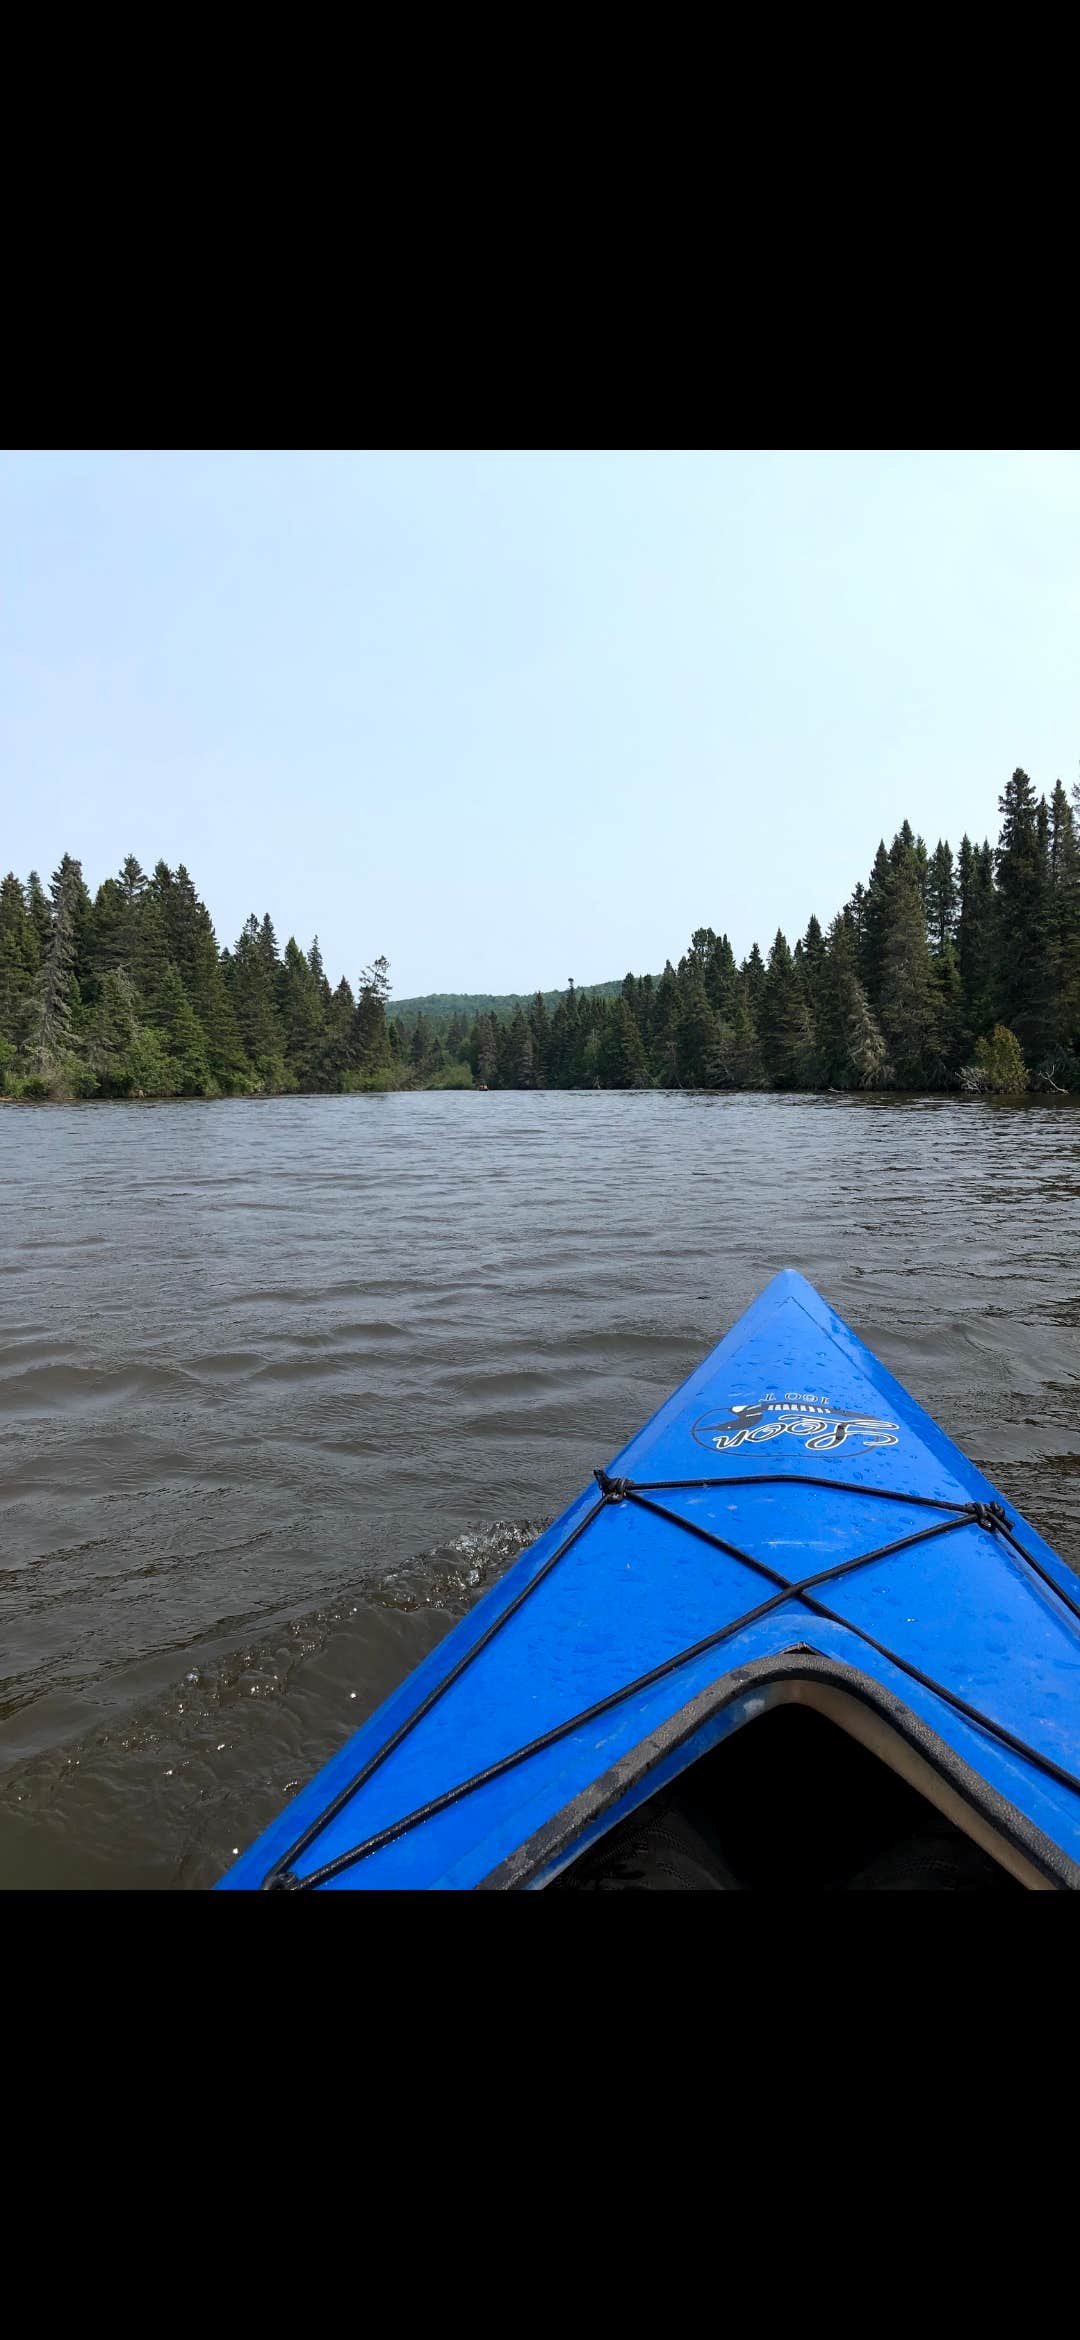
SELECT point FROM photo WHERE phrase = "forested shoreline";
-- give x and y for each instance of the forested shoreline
(942, 972)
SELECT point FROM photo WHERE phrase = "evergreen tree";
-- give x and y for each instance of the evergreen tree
(813, 964)
(976, 939)
(185, 1040)
(567, 1040)
(340, 1054)
(20, 960)
(110, 930)
(909, 1005)
(787, 1039)
(484, 1051)
(522, 1064)
(40, 914)
(372, 1037)
(753, 975)
(114, 1034)
(540, 1022)
(942, 897)
(873, 925)
(1024, 986)
(251, 981)
(621, 1060)
(1064, 939)
(853, 1054)
(721, 978)
(57, 996)
(268, 949)
(303, 1015)
(698, 1038)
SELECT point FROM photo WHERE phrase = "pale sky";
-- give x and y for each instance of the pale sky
(513, 717)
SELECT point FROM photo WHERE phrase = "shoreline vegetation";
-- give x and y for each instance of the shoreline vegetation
(942, 973)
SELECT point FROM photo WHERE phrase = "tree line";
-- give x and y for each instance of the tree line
(943, 971)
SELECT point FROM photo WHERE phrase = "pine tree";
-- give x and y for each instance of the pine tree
(540, 1027)
(109, 927)
(318, 972)
(231, 1069)
(942, 897)
(184, 1037)
(698, 1038)
(252, 987)
(1064, 940)
(40, 914)
(909, 1006)
(667, 1017)
(484, 1051)
(621, 1059)
(372, 1038)
(521, 1052)
(303, 1015)
(787, 1039)
(976, 938)
(268, 950)
(721, 977)
(852, 1049)
(57, 995)
(567, 1040)
(20, 960)
(873, 924)
(115, 1033)
(739, 1059)
(1023, 917)
(340, 1058)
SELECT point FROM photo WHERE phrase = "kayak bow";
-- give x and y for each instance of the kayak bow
(791, 1636)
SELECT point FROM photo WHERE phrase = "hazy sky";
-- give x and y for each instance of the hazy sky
(513, 717)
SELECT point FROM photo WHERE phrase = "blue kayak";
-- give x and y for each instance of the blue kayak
(790, 1638)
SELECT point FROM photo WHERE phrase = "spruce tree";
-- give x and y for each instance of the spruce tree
(667, 1017)
(698, 1039)
(20, 960)
(852, 1049)
(621, 1054)
(541, 1037)
(787, 1039)
(109, 927)
(1023, 917)
(485, 1051)
(521, 1052)
(1064, 952)
(57, 996)
(303, 1015)
(942, 897)
(251, 983)
(873, 924)
(372, 1037)
(909, 1005)
(339, 1054)
(37, 902)
(753, 975)
(976, 939)
(185, 1040)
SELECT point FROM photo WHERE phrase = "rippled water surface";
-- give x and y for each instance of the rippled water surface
(285, 1383)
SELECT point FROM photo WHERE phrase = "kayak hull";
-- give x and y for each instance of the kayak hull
(655, 1618)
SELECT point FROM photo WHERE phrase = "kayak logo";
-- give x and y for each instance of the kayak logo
(821, 1426)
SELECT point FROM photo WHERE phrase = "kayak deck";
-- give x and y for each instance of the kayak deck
(789, 1532)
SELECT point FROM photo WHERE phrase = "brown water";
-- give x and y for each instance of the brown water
(284, 1384)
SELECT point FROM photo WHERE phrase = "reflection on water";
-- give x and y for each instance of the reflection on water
(284, 1384)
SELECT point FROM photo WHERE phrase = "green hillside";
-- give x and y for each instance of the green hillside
(440, 1006)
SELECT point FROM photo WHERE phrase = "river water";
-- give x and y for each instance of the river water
(285, 1383)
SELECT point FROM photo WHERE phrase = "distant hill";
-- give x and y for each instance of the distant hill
(440, 1006)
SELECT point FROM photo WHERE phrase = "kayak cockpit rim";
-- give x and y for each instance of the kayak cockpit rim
(856, 1704)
